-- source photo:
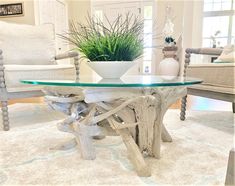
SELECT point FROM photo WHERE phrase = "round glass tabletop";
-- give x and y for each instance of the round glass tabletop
(125, 81)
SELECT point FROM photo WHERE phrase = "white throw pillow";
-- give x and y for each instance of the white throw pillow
(27, 44)
(228, 55)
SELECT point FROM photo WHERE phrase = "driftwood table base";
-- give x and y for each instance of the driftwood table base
(134, 114)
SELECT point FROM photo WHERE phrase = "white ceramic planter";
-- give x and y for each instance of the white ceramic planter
(169, 67)
(111, 69)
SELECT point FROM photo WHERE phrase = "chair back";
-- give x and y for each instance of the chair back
(27, 44)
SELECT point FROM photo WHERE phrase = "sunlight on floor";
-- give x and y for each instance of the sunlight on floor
(200, 103)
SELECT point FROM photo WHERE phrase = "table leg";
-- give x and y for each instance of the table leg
(149, 129)
(166, 137)
(135, 155)
(124, 122)
(141, 129)
(150, 112)
(230, 175)
(84, 140)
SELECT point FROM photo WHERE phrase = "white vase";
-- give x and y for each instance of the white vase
(111, 69)
(169, 67)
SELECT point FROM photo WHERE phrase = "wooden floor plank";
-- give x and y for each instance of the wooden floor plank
(193, 102)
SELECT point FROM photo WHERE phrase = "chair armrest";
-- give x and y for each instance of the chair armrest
(2, 78)
(73, 55)
(204, 51)
(66, 55)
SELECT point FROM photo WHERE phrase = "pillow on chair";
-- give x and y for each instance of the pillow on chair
(27, 44)
(227, 56)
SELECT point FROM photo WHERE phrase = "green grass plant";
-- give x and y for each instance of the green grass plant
(121, 40)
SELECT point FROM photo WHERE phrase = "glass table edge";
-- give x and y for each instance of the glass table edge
(32, 82)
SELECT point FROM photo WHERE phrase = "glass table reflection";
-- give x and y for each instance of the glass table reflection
(126, 81)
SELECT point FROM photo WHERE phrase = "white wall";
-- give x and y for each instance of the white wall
(78, 10)
(177, 7)
(192, 23)
(27, 18)
(197, 23)
(187, 20)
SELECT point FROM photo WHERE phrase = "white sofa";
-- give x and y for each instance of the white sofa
(28, 52)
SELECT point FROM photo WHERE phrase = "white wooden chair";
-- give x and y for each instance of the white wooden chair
(218, 84)
(218, 78)
(28, 52)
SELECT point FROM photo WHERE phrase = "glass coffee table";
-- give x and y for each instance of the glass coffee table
(132, 107)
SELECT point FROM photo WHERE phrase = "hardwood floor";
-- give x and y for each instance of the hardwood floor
(193, 103)
(27, 100)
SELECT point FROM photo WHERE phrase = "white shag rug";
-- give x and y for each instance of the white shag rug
(197, 156)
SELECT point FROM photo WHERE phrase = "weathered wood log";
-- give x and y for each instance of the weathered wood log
(127, 114)
(230, 176)
(84, 135)
(146, 115)
(166, 137)
(134, 153)
(137, 117)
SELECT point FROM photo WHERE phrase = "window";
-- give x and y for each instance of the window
(148, 37)
(218, 23)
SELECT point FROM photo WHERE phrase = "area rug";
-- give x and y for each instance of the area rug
(197, 156)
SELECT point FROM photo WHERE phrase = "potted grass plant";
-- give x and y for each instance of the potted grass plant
(110, 49)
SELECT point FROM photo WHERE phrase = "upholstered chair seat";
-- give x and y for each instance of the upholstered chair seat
(217, 77)
(15, 73)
